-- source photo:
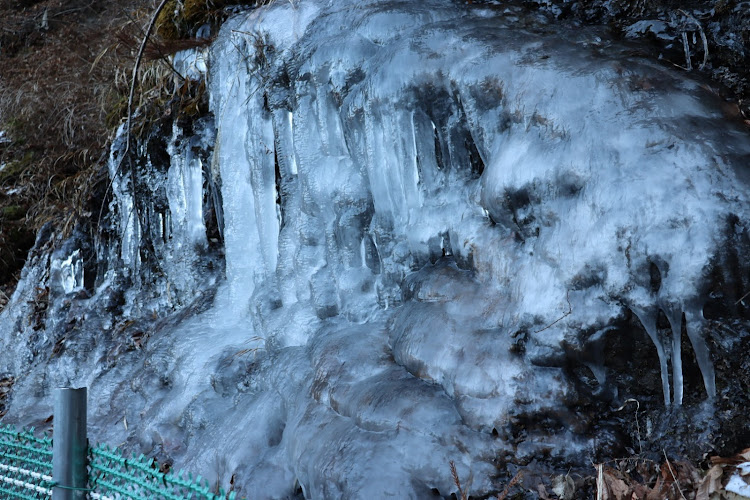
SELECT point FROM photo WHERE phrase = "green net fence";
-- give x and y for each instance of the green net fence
(26, 473)
(25, 464)
(138, 478)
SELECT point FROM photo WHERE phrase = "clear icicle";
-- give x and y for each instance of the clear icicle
(694, 322)
(674, 315)
(648, 320)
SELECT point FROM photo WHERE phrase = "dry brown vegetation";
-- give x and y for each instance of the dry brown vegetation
(633, 478)
(63, 70)
(65, 75)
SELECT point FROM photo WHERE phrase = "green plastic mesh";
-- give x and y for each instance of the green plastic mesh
(26, 473)
(25, 464)
(115, 476)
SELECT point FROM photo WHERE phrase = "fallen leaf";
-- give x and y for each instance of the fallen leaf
(617, 488)
(564, 487)
(542, 492)
(710, 483)
(658, 491)
(640, 491)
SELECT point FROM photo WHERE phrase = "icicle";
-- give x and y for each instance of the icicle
(185, 195)
(694, 322)
(424, 149)
(648, 320)
(674, 315)
(282, 125)
(402, 127)
(260, 154)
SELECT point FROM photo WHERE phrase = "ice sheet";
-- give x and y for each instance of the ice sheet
(423, 207)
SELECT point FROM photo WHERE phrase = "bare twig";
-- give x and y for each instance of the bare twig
(137, 64)
(128, 125)
(570, 311)
(637, 426)
(671, 471)
(158, 52)
(742, 298)
(69, 11)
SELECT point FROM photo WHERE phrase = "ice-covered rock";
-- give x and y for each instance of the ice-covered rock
(428, 215)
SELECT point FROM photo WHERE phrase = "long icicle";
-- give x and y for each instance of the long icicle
(694, 322)
(674, 315)
(648, 320)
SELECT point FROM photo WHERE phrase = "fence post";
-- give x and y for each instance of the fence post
(69, 445)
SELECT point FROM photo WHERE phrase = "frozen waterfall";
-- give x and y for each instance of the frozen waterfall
(426, 211)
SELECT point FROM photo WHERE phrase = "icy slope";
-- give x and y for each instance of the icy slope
(428, 213)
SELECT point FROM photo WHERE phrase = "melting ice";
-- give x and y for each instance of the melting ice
(423, 208)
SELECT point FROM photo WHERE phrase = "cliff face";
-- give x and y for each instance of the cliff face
(361, 241)
(65, 77)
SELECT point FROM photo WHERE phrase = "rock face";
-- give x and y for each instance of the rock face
(405, 234)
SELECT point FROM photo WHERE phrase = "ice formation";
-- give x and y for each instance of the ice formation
(424, 209)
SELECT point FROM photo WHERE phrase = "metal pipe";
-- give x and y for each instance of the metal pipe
(69, 445)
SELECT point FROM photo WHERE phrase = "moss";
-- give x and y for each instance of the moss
(14, 169)
(197, 11)
(179, 20)
(117, 104)
(15, 127)
(13, 212)
(167, 24)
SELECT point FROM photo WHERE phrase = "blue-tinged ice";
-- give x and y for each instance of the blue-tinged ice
(424, 208)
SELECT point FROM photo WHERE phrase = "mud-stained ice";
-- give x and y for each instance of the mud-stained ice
(426, 212)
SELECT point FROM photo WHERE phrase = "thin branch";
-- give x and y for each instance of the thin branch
(162, 56)
(637, 425)
(128, 125)
(676, 483)
(137, 64)
(742, 298)
(69, 11)
(570, 311)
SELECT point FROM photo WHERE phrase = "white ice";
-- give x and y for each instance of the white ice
(409, 190)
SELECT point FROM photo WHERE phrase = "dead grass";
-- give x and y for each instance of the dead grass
(6, 384)
(63, 88)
